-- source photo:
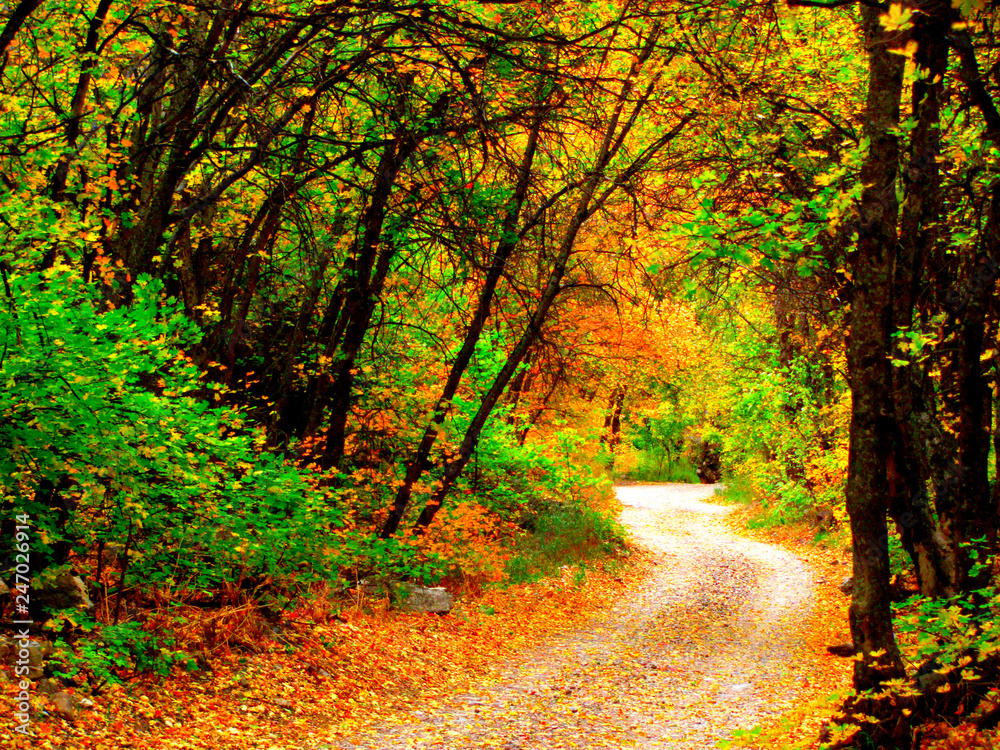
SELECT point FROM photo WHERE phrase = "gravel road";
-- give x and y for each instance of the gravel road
(704, 646)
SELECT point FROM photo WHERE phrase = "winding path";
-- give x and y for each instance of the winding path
(705, 646)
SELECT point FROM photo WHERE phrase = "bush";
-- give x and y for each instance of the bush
(112, 653)
(564, 534)
(119, 457)
(653, 466)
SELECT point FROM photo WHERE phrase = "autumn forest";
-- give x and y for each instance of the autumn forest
(305, 303)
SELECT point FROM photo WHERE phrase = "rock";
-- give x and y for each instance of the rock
(842, 649)
(375, 589)
(59, 669)
(930, 682)
(409, 597)
(415, 598)
(38, 650)
(65, 591)
(898, 591)
(47, 687)
(847, 586)
(927, 679)
(35, 658)
(283, 703)
(65, 704)
(9, 648)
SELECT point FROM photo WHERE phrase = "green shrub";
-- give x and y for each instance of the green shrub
(112, 653)
(738, 489)
(110, 439)
(653, 466)
(564, 534)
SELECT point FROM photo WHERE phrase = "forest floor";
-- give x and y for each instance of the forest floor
(701, 632)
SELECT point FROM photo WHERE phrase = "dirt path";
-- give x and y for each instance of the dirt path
(704, 647)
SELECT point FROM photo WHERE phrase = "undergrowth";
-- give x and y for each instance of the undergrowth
(654, 466)
(468, 548)
(950, 697)
(566, 535)
(154, 495)
(737, 489)
(761, 513)
(767, 511)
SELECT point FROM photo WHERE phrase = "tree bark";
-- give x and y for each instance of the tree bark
(868, 363)
(910, 464)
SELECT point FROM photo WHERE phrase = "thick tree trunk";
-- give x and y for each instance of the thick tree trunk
(868, 362)
(910, 466)
(969, 510)
(971, 523)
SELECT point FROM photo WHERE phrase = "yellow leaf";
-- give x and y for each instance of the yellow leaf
(968, 7)
(897, 19)
(908, 51)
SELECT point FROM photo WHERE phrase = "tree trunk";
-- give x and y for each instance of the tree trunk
(910, 465)
(970, 510)
(868, 362)
(971, 523)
